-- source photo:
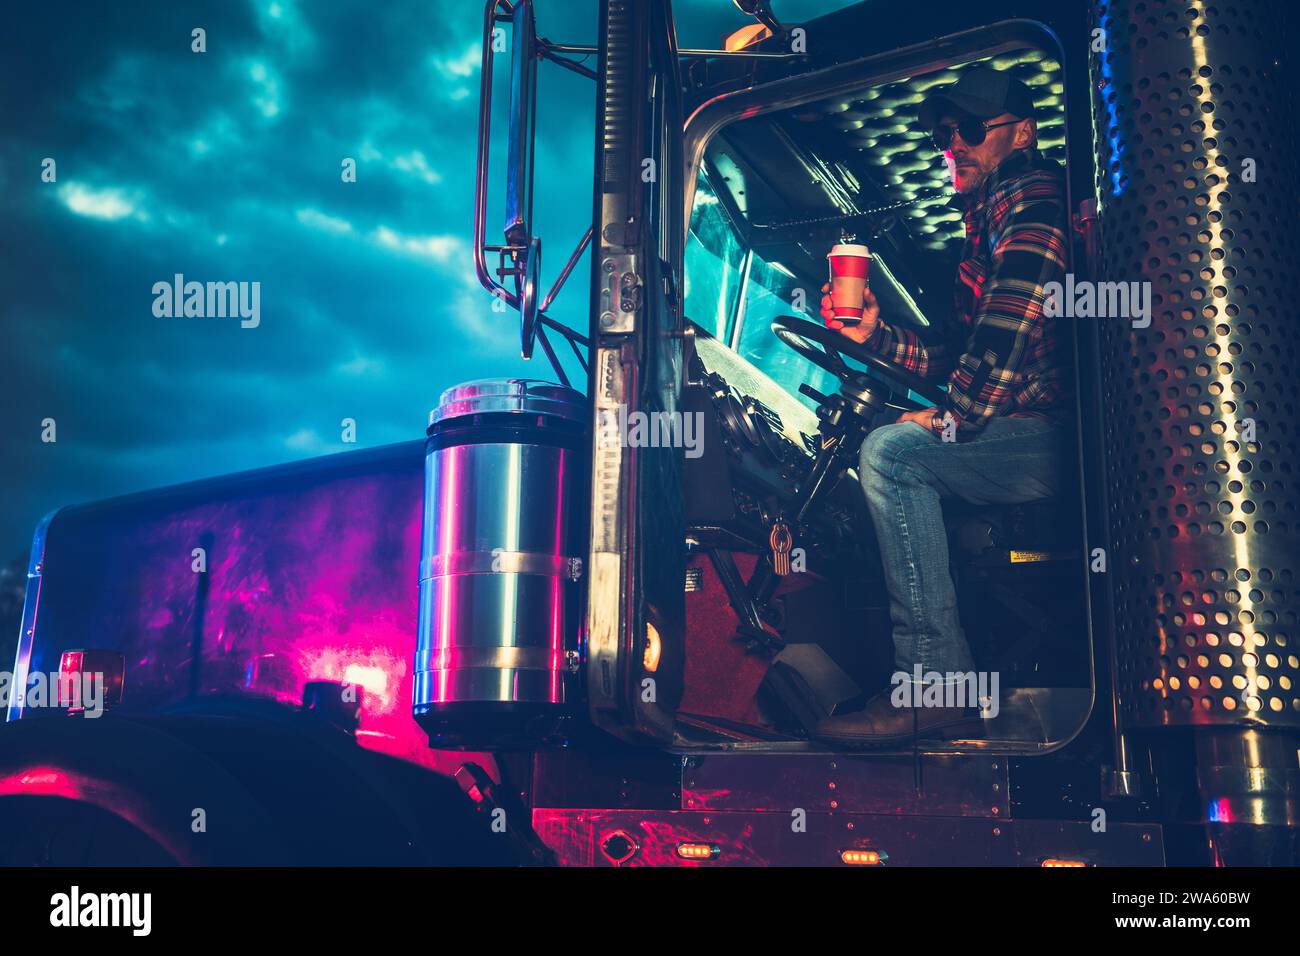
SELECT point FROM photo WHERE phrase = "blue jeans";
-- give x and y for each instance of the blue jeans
(906, 470)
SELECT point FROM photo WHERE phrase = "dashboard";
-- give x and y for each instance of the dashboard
(760, 444)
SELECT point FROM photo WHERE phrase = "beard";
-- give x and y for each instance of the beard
(964, 179)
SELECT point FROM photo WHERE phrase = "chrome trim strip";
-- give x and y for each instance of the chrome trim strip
(454, 659)
(27, 629)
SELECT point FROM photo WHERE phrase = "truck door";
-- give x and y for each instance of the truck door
(635, 620)
(788, 155)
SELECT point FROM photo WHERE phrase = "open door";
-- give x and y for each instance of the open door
(781, 160)
(635, 622)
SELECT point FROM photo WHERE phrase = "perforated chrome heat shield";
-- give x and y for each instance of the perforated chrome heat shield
(1195, 131)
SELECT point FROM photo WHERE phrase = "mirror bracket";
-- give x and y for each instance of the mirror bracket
(516, 280)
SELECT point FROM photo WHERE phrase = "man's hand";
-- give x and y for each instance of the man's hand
(870, 316)
(925, 417)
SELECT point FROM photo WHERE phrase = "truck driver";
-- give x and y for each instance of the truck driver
(999, 435)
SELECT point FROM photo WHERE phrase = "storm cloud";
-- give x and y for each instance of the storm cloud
(225, 166)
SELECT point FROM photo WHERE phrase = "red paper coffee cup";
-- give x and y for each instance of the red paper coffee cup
(849, 267)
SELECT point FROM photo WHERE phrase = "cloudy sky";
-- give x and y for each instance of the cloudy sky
(225, 166)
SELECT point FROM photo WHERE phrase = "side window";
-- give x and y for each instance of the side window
(716, 277)
(714, 264)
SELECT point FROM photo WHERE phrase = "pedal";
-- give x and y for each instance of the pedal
(758, 641)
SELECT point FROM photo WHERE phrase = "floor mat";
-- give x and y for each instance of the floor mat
(721, 679)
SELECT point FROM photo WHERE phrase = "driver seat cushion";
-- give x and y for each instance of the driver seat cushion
(1036, 526)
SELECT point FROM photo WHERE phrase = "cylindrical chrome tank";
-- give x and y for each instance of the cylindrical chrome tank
(499, 615)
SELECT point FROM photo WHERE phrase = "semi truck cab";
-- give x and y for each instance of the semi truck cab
(616, 607)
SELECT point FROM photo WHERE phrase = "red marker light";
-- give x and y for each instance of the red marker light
(78, 669)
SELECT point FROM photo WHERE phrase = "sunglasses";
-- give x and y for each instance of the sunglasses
(973, 131)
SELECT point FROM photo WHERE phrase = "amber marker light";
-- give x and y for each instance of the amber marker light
(653, 647)
(697, 851)
(861, 857)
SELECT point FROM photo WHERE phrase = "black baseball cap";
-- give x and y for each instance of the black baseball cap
(982, 92)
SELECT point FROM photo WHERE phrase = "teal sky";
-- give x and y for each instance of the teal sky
(225, 166)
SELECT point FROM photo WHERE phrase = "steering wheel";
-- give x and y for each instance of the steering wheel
(827, 349)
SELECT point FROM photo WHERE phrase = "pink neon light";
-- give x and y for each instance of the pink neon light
(41, 781)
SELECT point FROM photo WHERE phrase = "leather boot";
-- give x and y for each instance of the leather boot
(880, 724)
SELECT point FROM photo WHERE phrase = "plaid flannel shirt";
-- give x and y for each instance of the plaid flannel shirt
(1000, 353)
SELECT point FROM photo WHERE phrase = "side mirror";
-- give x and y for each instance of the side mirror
(516, 280)
(523, 125)
(516, 251)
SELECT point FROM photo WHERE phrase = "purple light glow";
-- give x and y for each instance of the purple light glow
(311, 575)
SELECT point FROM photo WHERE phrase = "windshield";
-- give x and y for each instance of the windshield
(775, 190)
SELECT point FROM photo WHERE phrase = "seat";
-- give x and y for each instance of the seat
(1020, 589)
(1032, 532)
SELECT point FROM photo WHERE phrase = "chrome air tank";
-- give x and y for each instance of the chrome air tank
(499, 567)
